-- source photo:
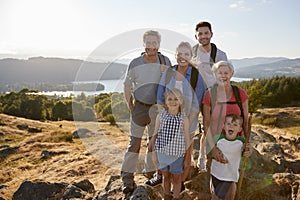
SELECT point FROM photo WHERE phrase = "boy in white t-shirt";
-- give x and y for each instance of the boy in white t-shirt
(225, 176)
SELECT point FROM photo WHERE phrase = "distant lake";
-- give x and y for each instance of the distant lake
(109, 86)
(236, 79)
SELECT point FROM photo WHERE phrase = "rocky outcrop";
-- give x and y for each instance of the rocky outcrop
(270, 174)
(6, 150)
(82, 133)
(30, 129)
(55, 191)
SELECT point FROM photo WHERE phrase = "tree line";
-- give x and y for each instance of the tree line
(274, 92)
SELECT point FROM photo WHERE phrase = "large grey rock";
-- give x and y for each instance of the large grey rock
(140, 193)
(266, 136)
(82, 133)
(54, 191)
(39, 190)
(72, 192)
(85, 185)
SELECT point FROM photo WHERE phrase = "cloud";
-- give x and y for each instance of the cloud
(240, 6)
(234, 5)
(264, 2)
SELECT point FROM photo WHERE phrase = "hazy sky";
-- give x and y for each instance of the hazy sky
(75, 28)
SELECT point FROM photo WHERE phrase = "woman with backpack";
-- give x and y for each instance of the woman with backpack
(219, 101)
(185, 77)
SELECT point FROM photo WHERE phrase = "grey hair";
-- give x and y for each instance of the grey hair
(153, 33)
(217, 65)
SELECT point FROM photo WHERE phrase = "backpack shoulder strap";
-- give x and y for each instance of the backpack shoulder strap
(195, 49)
(194, 77)
(213, 96)
(161, 58)
(238, 99)
(213, 54)
(169, 74)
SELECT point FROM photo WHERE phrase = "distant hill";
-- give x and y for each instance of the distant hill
(56, 70)
(284, 67)
(66, 71)
(246, 62)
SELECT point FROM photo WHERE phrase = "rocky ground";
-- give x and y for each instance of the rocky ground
(51, 160)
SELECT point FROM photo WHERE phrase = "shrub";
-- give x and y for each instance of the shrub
(110, 118)
(269, 121)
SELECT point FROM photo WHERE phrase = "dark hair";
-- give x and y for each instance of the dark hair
(234, 118)
(203, 24)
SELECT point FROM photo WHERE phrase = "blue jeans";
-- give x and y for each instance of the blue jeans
(171, 163)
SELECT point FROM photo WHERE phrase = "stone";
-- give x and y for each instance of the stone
(39, 190)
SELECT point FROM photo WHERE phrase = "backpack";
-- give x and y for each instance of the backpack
(237, 95)
(213, 52)
(193, 80)
(161, 58)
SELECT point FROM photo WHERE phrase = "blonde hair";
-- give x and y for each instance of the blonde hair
(188, 46)
(176, 92)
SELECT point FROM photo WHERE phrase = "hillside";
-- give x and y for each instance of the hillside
(246, 62)
(59, 70)
(48, 152)
(23, 157)
(286, 67)
(56, 70)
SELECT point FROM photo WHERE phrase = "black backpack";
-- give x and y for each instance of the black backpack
(237, 95)
(194, 76)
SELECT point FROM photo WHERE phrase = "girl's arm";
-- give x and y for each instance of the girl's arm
(153, 139)
(186, 130)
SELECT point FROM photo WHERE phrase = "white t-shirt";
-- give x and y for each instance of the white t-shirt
(232, 151)
(178, 85)
(204, 67)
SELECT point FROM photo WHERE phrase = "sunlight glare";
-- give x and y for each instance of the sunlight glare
(54, 24)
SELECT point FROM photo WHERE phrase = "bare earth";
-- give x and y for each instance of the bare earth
(95, 157)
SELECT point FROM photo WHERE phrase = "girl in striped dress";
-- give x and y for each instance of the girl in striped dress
(170, 141)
